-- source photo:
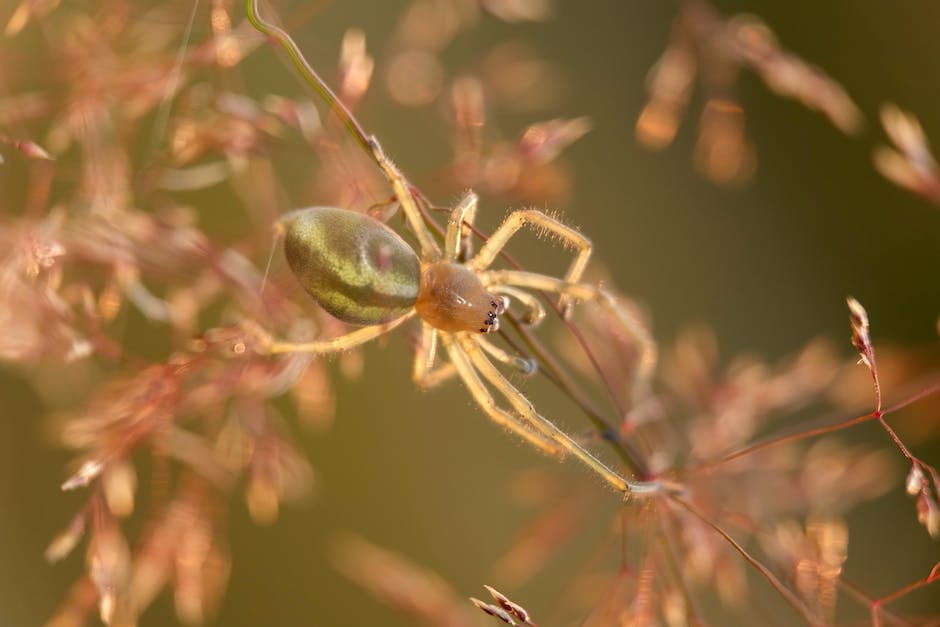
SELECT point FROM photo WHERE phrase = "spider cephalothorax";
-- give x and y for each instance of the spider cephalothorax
(453, 299)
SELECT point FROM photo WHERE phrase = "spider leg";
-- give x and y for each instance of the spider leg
(584, 291)
(272, 346)
(544, 426)
(424, 374)
(486, 402)
(543, 223)
(525, 366)
(457, 244)
(429, 248)
(535, 312)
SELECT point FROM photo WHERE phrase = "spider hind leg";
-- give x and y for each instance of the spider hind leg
(267, 344)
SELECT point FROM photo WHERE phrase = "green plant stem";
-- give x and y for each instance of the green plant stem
(310, 76)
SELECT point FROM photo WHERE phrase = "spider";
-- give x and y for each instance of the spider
(363, 273)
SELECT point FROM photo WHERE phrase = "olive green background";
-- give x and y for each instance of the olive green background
(767, 265)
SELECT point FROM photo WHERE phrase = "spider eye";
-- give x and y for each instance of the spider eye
(493, 324)
(453, 299)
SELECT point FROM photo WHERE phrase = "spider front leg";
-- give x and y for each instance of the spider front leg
(520, 364)
(467, 349)
(534, 311)
(426, 375)
(485, 400)
(541, 222)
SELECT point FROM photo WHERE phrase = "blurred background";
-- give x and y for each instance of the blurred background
(766, 262)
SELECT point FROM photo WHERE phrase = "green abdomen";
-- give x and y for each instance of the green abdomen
(354, 266)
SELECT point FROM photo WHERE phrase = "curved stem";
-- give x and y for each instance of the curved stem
(310, 75)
